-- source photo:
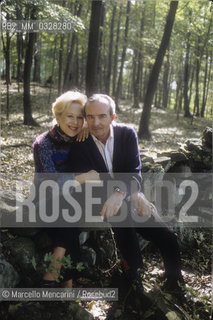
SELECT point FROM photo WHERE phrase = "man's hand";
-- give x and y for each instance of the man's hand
(141, 205)
(113, 204)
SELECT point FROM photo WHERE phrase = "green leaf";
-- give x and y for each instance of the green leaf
(80, 266)
(34, 263)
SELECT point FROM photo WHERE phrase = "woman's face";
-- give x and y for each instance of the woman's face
(71, 120)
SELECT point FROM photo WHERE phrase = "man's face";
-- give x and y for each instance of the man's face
(99, 119)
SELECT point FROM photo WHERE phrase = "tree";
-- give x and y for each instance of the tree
(166, 82)
(93, 47)
(28, 118)
(138, 64)
(111, 44)
(115, 63)
(119, 84)
(37, 61)
(186, 77)
(207, 77)
(153, 79)
(68, 70)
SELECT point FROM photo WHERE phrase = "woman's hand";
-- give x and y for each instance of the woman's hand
(84, 134)
(91, 175)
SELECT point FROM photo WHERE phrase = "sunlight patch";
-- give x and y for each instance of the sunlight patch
(173, 131)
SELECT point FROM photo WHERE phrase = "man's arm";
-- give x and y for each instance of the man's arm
(127, 163)
(126, 169)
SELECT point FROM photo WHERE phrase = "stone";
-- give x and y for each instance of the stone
(145, 167)
(25, 232)
(22, 250)
(142, 242)
(9, 277)
(89, 255)
(207, 137)
(163, 161)
(33, 311)
(183, 169)
(145, 158)
(194, 145)
(79, 313)
(83, 237)
(44, 311)
(174, 155)
(8, 204)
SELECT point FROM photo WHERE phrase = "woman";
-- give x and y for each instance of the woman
(51, 150)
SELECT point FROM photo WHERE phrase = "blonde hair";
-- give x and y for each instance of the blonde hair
(66, 99)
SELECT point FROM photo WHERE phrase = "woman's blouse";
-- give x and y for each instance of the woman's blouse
(51, 150)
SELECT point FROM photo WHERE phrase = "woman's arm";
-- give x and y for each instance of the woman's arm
(91, 175)
(43, 156)
(43, 159)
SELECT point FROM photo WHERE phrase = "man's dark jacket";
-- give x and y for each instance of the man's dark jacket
(126, 156)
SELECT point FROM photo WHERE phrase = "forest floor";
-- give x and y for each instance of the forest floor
(168, 133)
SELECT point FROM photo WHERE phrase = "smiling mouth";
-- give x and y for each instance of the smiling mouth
(73, 128)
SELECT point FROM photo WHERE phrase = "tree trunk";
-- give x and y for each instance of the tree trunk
(136, 83)
(60, 59)
(20, 58)
(101, 57)
(8, 80)
(209, 78)
(93, 47)
(197, 73)
(68, 71)
(60, 64)
(115, 65)
(76, 83)
(53, 69)
(6, 50)
(204, 87)
(178, 90)
(28, 119)
(144, 85)
(190, 86)
(200, 51)
(153, 79)
(123, 56)
(186, 79)
(109, 70)
(83, 66)
(8, 75)
(37, 60)
(20, 50)
(165, 83)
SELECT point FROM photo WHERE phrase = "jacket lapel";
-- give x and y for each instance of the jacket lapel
(116, 149)
(94, 156)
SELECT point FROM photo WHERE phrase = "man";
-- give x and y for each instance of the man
(113, 148)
